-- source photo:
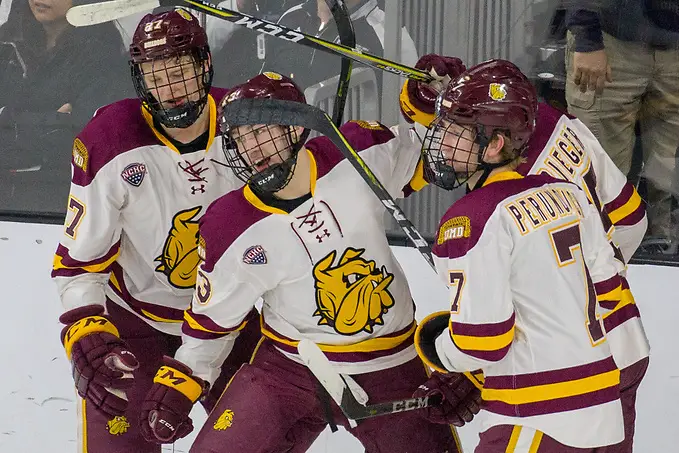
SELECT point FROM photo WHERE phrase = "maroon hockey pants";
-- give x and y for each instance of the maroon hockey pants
(271, 406)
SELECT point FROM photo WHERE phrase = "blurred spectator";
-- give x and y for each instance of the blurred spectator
(5, 6)
(623, 67)
(308, 66)
(243, 58)
(52, 79)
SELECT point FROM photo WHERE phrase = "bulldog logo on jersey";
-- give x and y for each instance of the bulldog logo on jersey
(180, 258)
(353, 295)
(134, 174)
(117, 426)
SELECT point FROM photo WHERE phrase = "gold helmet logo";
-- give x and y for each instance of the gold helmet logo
(180, 259)
(224, 421)
(272, 75)
(117, 426)
(185, 14)
(352, 296)
(497, 91)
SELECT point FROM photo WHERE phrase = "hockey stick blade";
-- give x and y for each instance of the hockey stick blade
(97, 13)
(339, 391)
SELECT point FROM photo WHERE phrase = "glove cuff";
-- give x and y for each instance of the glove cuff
(178, 376)
(85, 326)
(426, 334)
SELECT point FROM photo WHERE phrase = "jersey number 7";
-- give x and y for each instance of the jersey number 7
(565, 241)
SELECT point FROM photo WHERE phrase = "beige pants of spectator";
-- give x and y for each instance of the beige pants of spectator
(645, 87)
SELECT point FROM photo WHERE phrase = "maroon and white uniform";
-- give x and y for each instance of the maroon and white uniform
(522, 258)
(564, 148)
(325, 270)
(134, 206)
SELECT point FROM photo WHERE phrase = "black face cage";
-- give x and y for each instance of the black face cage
(276, 155)
(440, 159)
(188, 111)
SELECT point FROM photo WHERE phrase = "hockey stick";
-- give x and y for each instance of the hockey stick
(347, 37)
(96, 13)
(267, 111)
(341, 393)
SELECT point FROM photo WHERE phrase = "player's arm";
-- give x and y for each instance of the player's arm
(91, 239)
(474, 261)
(225, 294)
(619, 199)
(101, 361)
(611, 292)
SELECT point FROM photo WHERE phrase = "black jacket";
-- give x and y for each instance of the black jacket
(85, 68)
(653, 22)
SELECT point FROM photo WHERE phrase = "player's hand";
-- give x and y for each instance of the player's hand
(167, 405)
(101, 362)
(442, 69)
(591, 70)
(461, 399)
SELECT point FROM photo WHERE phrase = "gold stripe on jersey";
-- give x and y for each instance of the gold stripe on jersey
(93, 268)
(369, 345)
(626, 298)
(628, 208)
(612, 295)
(491, 343)
(158, 318)
(546, 392)
(194, 324)
(212, 127)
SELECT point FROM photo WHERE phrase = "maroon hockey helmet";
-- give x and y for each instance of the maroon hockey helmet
(491, 97)
(267, 164)
(175, 98)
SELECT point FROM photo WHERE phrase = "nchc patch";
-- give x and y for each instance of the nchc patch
(455, 228)
(254, 255)
(134, 174)
(80, 155)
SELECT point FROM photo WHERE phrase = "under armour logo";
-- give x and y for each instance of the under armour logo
(325, 234)
(200, 189)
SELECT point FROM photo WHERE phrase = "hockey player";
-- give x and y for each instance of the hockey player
(144, 172)
(564, 148)
(551, 383)
(307, 235)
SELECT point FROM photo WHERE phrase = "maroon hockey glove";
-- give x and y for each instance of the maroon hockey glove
(422, 95)
(167, 405)
(461, 399)
(101, 362)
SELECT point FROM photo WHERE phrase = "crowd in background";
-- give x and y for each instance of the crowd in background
(621, 62)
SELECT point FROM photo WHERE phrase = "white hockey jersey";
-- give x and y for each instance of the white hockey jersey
(131, 233)
(564, 148)
(522, 258)
(325, 270)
